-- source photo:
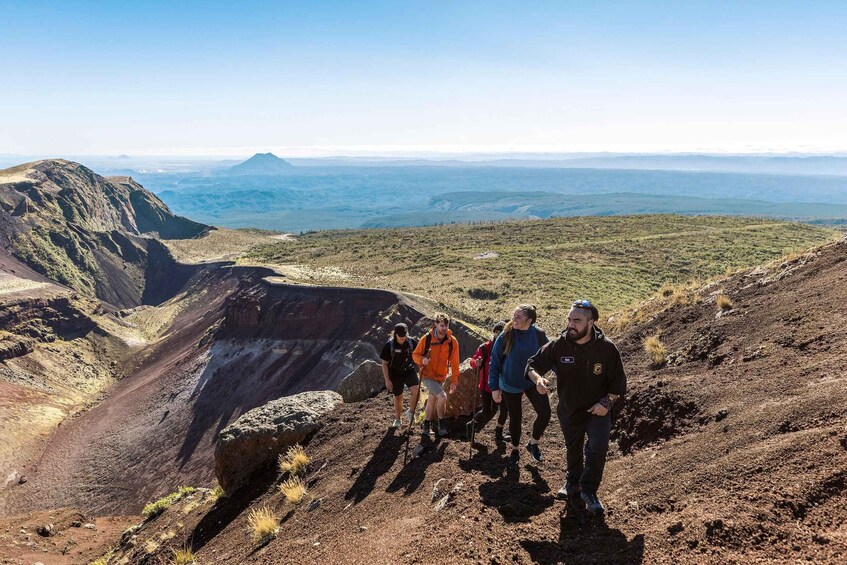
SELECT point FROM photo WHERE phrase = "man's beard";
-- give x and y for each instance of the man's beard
(573, 335)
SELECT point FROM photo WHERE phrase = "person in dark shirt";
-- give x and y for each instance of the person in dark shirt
(399, 370)
(590, 378)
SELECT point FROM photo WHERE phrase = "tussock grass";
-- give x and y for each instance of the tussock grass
(294, 490)
(182, 556)
(724, 302)
(263, 524)
(656, 350)
(153, 509)
(218, 492)
(295, 461)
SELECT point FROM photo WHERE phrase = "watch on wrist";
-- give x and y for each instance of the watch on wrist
(606, 403)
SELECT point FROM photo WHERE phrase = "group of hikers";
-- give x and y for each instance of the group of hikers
(511, 365)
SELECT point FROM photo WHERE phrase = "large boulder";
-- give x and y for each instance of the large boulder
(467, 395)
(363, 383)
(258, 437)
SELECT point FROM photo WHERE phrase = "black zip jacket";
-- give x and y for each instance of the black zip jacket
(585, 373)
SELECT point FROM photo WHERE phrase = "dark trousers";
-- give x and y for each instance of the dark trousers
(541, 405)
(586, 459)
(487, 411)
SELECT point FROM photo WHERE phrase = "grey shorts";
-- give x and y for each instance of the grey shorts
(434, 387)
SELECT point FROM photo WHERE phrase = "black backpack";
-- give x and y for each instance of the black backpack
(397, 348)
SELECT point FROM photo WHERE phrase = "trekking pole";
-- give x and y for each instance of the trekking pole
(474, 387)
(409, 429)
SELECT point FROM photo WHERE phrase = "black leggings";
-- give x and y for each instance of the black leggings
(541, 405)
(489, 407)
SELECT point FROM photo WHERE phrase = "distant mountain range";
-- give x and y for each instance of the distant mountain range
(261, 164)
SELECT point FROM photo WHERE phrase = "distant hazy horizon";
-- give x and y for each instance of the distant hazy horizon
(414, 78)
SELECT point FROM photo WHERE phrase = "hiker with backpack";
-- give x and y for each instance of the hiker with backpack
(398, 370)
(479, 363)
(590, 378)
(436, 353)
(520, 340)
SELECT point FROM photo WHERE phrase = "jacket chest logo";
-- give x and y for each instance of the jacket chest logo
(568, 360)
(598, 368)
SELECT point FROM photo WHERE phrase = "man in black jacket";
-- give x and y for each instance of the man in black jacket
(590, 377)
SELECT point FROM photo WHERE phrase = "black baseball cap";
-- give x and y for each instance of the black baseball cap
(401, 329)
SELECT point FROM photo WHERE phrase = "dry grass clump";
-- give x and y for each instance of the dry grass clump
(682, 293)
(656, 350)
(724, 302)
(263, 524)
(294, 490)
(295, 461)
(182, 556)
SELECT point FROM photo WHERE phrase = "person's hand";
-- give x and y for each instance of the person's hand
(598, 410)
(453, 387)
(497, 396)
(541, 385)
(425, 361)
(388, 385)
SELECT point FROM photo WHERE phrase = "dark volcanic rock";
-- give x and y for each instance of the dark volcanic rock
(258, 437)
(365, 382)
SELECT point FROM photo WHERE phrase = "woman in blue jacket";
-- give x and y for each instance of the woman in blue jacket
(520, 340)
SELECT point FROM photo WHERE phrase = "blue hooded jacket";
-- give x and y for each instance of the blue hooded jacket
(508, 373)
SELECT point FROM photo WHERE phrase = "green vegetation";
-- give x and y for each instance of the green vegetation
(614, 261)
(153, 509)
(59, 255)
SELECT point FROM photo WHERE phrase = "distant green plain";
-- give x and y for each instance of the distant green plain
(616, 261)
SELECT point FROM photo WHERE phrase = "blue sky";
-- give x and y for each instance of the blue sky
(318, 78)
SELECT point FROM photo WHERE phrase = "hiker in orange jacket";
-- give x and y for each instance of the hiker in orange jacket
(437, 352)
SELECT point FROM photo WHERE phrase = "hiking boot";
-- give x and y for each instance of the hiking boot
(592, 503)
(469, 431)
(535, 452)
(499, 438)
(568, 490)
(514, 459)
(396, 423)
(425, 429)
(442, 428)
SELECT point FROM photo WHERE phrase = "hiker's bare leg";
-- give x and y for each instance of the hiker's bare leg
(398, 406)
(413, 402)
(429, 413)
(442, 405)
